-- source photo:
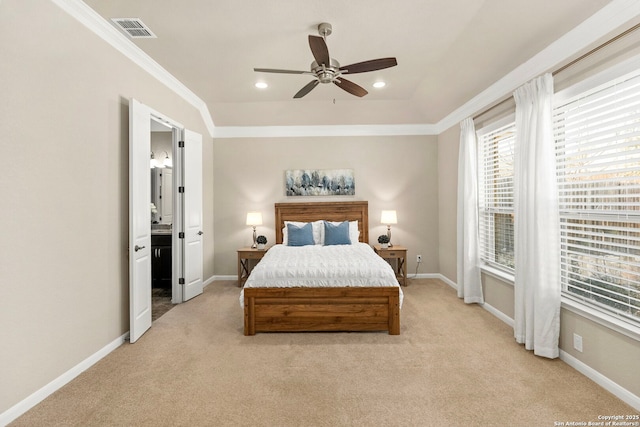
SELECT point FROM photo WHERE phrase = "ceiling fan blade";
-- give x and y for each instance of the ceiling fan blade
(320, 50)
(350, 87)
(371, 65)
(308, 88)
(275, 70)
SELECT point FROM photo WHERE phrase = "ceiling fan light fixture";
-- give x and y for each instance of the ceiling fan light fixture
(261, 85)
(379, 85)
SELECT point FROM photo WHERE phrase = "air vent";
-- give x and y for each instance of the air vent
(134, 27)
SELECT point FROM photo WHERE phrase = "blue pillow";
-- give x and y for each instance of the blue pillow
(300, 236)
(336, 234)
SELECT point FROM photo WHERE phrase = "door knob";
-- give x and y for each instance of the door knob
(137, 248)
(200, 233)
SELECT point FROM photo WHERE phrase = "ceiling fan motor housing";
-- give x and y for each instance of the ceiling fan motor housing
(326, 74)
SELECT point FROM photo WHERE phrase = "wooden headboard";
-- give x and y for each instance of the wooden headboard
(330, 211)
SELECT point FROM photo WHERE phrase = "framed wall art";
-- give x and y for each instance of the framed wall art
(320, 182)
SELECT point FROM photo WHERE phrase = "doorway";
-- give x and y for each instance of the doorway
(161, 171)
(184, 222)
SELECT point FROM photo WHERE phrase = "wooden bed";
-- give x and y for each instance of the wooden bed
(322, 309)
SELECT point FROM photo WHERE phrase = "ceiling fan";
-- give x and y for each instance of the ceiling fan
(328, 70)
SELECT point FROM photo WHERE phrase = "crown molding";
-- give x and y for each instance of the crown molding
(607, 19)
(103, 29)
(328, 130)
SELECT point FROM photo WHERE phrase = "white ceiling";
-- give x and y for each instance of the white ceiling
(448, 51)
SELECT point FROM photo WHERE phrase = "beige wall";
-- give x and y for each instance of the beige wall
(448, 143)
(391, 172)
(63, 252)
(64, 216)
(499, 294)
(606, 351)
(614, 355)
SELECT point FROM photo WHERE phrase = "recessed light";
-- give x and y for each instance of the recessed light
(379, 84)
(262, 85)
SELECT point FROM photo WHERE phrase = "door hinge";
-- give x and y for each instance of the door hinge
(181, 281)
(181, 235)
(180, 189)
(180, 144)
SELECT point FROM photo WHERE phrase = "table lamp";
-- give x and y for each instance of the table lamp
(388, 218)
(254, 219)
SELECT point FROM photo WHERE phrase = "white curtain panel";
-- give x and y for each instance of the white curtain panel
(537, 223)
(468, 268)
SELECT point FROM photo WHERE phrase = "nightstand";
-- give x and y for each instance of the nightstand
(245, 255)
(398, 253)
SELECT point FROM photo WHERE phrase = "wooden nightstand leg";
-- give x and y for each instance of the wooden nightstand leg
(402, 270)
(243, 271)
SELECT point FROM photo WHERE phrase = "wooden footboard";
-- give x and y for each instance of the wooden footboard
(321, 309)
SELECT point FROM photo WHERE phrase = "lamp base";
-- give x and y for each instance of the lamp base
(255, 244)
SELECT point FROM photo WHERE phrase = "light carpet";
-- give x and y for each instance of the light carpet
(453, 365)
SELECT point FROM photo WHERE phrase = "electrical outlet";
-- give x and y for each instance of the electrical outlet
(418, 258)
(577, 342)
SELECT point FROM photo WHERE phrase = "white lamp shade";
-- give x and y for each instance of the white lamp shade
(388, 217)
(254, 218)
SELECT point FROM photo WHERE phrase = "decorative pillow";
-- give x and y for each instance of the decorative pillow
(336, 234)
(318, 230)
(354, 233)
(300, 236)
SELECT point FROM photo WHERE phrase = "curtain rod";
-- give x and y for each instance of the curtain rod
(575, 61)
(597, 48)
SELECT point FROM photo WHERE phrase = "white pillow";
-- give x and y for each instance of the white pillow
(354, 233)
(317, 227)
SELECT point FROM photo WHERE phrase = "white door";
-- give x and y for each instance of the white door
(193, 259)
(139, 220)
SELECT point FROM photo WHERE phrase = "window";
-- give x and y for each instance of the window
(495, 193)
(598, 152)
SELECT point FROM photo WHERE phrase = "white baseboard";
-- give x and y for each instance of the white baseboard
(604, 382)
(23, 406)
(497, 313)
(491, 309)
(226, 277)
(448, 281)
(424, 276)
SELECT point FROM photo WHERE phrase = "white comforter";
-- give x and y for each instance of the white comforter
(321, 266)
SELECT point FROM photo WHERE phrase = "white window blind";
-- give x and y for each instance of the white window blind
(598, 152)
(495, 194)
